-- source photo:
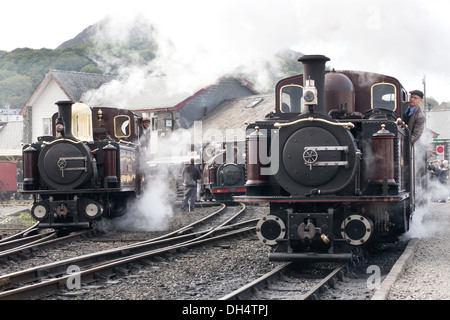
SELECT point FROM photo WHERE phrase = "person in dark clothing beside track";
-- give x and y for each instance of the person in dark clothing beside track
(190, 176)
(443, 180)
(433, 170)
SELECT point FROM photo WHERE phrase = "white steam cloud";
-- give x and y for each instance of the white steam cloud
(401, 38)
(153, 210)
(428, 219)
(199, 41)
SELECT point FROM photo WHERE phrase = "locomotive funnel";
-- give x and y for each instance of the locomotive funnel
(65, 113)
(314, 69)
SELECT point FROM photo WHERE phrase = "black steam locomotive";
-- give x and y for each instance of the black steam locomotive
(335, 163)
(223, 171)
(89, 168)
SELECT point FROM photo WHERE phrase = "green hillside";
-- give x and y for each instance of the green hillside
(21, 70)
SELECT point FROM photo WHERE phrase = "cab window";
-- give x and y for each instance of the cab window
(122, 126)
(291, 99)
(384, 95)
(82, 122)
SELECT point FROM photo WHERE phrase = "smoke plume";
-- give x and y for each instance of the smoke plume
(426, 220)
(197, 42)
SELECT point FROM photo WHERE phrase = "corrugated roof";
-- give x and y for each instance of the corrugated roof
(231, 115)
(11, 134)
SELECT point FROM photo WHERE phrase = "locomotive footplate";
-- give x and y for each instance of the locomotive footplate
(228, 190)
(80, 191)
(81, 225)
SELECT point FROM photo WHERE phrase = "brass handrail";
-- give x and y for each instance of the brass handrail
(348, 125)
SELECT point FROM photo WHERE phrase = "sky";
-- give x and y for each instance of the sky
(406, 39)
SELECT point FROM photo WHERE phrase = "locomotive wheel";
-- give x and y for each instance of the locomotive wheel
(119, 206)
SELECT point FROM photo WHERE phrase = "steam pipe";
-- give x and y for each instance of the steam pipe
(314, 69)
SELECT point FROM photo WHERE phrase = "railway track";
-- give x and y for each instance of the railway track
(124, 260)
(29, 241)
(284, 283)
(30, 245)
(21, 234)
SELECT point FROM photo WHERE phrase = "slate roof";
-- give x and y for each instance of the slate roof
(149, 93)
(155, 93)
(10, 138)
(74, 84)
(231, 115)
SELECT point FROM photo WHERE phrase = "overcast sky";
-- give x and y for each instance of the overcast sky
(407, 39)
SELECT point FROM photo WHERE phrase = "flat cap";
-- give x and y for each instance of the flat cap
(418, 93)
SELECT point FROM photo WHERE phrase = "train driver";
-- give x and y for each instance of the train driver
(145, 133)
(413, 116)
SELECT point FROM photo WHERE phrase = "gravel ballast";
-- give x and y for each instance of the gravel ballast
(209, 272)
(427, 277)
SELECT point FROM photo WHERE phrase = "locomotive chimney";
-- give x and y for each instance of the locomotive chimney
(65, 114)
(314, 69)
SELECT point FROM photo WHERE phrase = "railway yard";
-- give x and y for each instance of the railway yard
(196, 268)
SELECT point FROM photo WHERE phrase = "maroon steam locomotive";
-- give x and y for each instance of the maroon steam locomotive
(223, 171)
(89, 168)
(334, 161)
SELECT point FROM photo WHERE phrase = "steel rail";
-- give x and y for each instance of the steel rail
(20, 234)
(185, 228)
(246, 291)
(92, 273)
(86, 261)
(47, 242)
(329, 279)
(20, 242)
(60, 267)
